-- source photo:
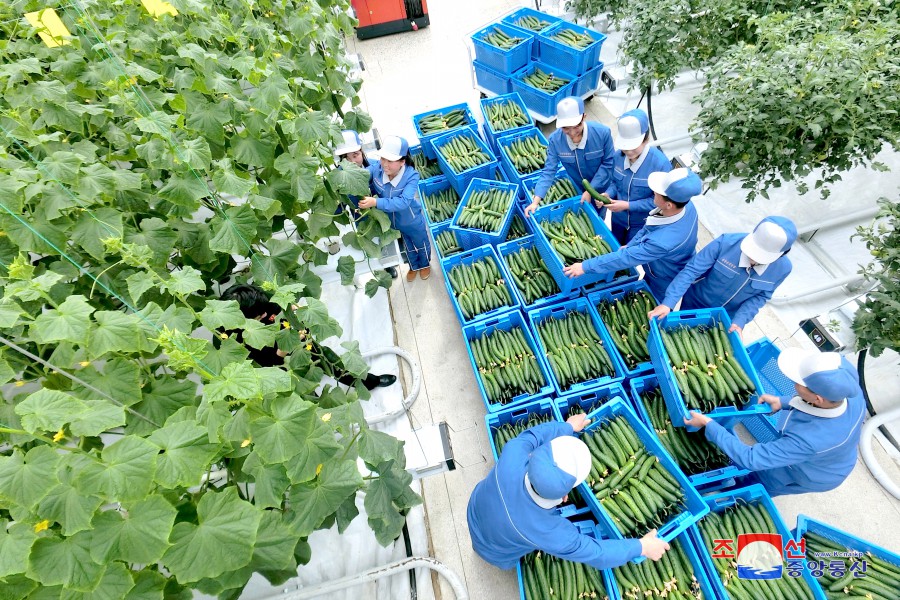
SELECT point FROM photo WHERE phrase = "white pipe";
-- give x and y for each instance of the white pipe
(674, 138)
(386, 570)
(416, 383)
(865, 449)
(836, 283)
(839, 220)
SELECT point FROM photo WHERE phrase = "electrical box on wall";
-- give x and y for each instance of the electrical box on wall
(820, 336)
(384, 17)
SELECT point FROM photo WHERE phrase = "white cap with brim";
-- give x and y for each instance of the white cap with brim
(555, 468)
(350, 143)
(632, 128)
(679, 185)
(569, 112)
(823, 373)
(770, 239)
(394, 148)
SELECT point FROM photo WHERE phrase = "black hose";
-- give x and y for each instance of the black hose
(861, 369)
(650, 110)
(413, 590)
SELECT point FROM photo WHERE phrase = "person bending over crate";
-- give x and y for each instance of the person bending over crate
(736, 271)
(585, 149)
(816, 449)
(510, 511)
(666, 242)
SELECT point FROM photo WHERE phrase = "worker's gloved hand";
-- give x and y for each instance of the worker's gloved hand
(573, 270)
(774, 402)
(697, 420)
(652, 547)
(535, 201)
(578, 422)
(659, 312)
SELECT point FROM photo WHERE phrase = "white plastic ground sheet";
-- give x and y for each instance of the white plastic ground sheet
(368, 321)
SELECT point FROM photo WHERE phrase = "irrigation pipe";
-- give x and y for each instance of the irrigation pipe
(416, 383)
(868, 456)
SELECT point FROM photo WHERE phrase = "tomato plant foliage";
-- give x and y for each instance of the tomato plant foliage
(143, 161)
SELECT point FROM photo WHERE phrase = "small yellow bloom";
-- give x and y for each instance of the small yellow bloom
(224, 336)
(309, 347)
(285, 324)
(276, 54)
(326, 417)
(59, 435)
(245, 443)
(318, 469)
(20, 383)
(85, 363)
(42, 526)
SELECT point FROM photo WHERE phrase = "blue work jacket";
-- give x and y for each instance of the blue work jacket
(662, 247)
(594, 162)
(631, 186)
(400, 202)
(505, 523)
(812, 454)
(714, 278)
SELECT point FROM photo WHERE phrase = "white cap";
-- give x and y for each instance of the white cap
(823, 373)
(350, 143)
(555, 468)
(633, 127)
(569, 112)
(394, 148)
(771, 238)
(679, 185)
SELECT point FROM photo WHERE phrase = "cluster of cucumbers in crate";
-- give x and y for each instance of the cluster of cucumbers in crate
(670, 578)
(516, 229)
(545, 577)
(879, 581)
(478, 287)
(574, 239)
(441, 205)
(547, 82)
(527, 154)
(573, 39)
(508, 431)
(486, 209)
(530, 275)
(463, 153)
(447, 243)
(506, 114)
(499, 38)
(442, 121)
(425, 167)
(506, 365)
(574, 349)
(560, 189)
(626, 319)
(531, 23)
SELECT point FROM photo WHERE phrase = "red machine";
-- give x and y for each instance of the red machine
(384, 17)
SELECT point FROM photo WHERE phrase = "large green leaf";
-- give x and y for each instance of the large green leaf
(15, 543)
(120, 379)
(124, 473)
(156, 234)
(357, 121)
(115, 584)
(274, 549)
(185, 190)
(350, 179)
(280, 260)
(196, 154)
(157, 122)
(184, 454)
(252, 151)
(55, 561)
(376, 447)
(69, 507)
(67, 323)
(98, 416)
(257, 335)
(311, 503)
(148, 585)
(221, 313)
(383, 517)
(94, 226)
(314, 315)
(162, 399)
(228, 182)
(115, 332)
(235, 231)
(140, 535)
(229, 351)
(185, 281)
(222, 541)
(280, 435)
(48, 410)
(63, 166)
(270, 482)
(237, 380)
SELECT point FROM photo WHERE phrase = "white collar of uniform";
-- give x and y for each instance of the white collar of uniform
(396, 180)
(656, 219)
(744, 262)
(634, 166)
(582, 143)
(797, 403)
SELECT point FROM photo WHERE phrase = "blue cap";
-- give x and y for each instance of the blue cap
(825, 374)
(679, 185)
(632, 128)
(569, 112)
(772, 237)
(555, 468)
(394, 148)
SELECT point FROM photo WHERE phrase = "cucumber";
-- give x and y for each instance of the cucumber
(594, 193)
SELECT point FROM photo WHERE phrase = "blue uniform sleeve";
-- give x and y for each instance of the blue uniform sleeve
(570, 544)
(751, 305)
(638, 252)
(604, 174)
(659, 163)
(403, 200)
(551, 165)
(785, 451)
(540, 435)
(697, 267)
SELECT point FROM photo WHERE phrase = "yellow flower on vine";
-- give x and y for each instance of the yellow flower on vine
(318, 469)
(85, 363)
(42, 526)
(59, 435)
(245, 443)
(309, 347)
(326, 417)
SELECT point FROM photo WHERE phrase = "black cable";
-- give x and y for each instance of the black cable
(861, 369)
(413, 590)
(650, 110)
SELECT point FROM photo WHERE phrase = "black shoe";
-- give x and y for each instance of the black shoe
(392, 271)
(373, 381)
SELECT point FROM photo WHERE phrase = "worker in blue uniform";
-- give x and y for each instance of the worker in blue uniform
(394, 187)
(736, 271)
(585, 149)
(510, 511)
(666, 242)
(816, 449)
(635, 159)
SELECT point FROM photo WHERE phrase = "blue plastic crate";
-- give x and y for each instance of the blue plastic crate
(678, 411)
(717, 478)
(504, 61)
(491, 134)
(507, 322)
(538, 101)
(417, 149)
(558, 311)
(696, 508)
(427, 140)
(460, 181)
(529, 182)
(613, 294)
(518, 212)
(507, 248)
(466, 258)
(573, 60)
(514, 415)
(472, 238)
(595, 396)
(556, 212)
(435, 230)
(511, 19)
(589, 82)
(619, 279)
(686, 542)
(490, 79)
(749, 494)
(506, 140)
(764, 356)
(428, 188)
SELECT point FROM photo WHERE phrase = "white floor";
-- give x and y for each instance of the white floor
(413, 72)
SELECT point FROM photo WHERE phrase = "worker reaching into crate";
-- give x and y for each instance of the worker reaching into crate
(584, 148)
(510, 512)
(817, 448)
(666, 242)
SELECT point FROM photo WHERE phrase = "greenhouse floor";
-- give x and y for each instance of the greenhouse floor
(413, 72)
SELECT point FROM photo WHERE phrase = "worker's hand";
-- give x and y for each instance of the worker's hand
(535, 202)
(368, 202)
(585, 197)
(735, 328)
(659, 312)
(574, 270)
(617, 205)
(697, 420)
(652, 547)
(578, 422)
(774, 402)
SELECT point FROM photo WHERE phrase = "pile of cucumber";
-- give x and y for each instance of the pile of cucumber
(626, 319)
(545, 577)
(443, 121)
(632, 486)
(531, 23)
(881, 580)
(574, 349)
(441, 205)
(505, 114)
(478, 287)
(671, 578)
(744, 517)
(486, 209)
(573, 238)
(506, 365)
(447, 243)
(425, 167)
(497, 37)
(705, 368)
(690, 449)
(463, 153)
(527, 154)
(516, 229)
(573, 39)
(561, 188)
(530, 275)
(507, 431)
(577, 410)
(546, 82)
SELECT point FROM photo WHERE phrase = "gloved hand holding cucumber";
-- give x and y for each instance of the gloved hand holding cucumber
(590, 192)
